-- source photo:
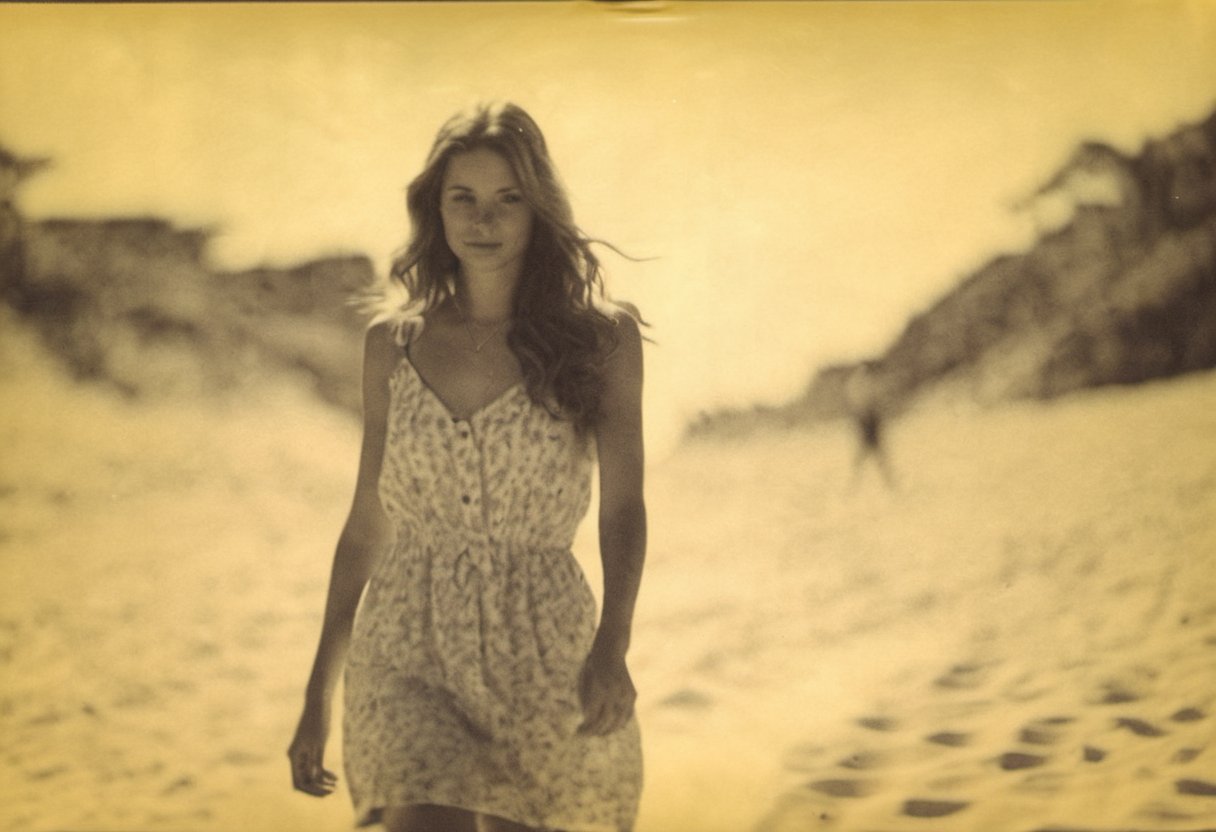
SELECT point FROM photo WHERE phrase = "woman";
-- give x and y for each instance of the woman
(481, 693)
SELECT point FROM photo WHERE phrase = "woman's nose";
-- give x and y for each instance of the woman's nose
(485, 215)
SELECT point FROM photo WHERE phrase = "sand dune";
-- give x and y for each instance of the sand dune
(1022, 637)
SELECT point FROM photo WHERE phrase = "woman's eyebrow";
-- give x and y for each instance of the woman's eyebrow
(455, 186)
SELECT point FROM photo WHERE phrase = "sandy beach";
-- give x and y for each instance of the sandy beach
(1021, 636)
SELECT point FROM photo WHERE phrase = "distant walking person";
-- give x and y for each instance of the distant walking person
(863, 396)
(481, 691)
(13, 172)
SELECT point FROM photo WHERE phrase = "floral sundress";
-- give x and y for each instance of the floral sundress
(461, 684)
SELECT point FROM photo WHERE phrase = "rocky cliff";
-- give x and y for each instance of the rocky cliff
(1121, 290)
(135, 304)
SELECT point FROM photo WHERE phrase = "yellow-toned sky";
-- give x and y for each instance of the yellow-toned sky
(809, 174)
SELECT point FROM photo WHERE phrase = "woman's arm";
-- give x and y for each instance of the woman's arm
(365, 533)
(606, 688)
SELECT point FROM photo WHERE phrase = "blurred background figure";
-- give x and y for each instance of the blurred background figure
(864, 399)
(13, 172)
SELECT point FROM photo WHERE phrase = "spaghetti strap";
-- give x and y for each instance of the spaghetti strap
(406, 329)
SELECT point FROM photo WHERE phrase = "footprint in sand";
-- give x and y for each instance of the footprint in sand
(1116, 694)
(1044, 731)
(965, 676)
(1017, 760)
(1092, 754)
(844, 788)
(50, 717)
(1139, 727)
(1130, 686)
(878, 723)
(1196, 788)
(1186, 755)
(950, 739)
(933, 808)
(183, 783)
(48, 773)
(862, 761)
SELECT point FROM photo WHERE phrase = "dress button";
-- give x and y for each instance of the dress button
(464, 434)
(464, 498)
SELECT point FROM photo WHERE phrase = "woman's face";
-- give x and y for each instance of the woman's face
(486, 221)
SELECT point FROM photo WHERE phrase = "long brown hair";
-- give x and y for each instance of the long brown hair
(561, 330)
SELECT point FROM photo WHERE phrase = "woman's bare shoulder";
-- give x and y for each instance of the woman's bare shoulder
(624, 307)
(627, 336)
(617, 310)
(623, 350)
(381, 348)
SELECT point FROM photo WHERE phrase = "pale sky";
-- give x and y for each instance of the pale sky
(807, 174)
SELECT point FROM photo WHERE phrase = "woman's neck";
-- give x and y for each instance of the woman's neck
(485, 298)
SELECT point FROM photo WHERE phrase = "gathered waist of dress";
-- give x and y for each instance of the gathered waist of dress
(439, 536)
(459, 557)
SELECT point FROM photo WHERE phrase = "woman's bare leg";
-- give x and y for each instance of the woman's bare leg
(428, 818)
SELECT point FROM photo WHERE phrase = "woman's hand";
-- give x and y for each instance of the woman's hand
(306, 753)
(606, 692)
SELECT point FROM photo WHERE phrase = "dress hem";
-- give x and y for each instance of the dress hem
(374, 815)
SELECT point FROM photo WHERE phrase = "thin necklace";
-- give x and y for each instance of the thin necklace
(468, 327)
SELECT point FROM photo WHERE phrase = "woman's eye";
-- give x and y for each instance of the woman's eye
(512, 199)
